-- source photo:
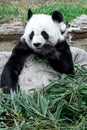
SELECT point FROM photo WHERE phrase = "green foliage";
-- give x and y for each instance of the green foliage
(62, 105)
(8, 11)
(69, 11)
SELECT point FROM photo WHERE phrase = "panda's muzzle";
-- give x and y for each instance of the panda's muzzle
(37, 45)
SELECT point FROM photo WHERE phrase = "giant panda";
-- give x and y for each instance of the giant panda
(43, 37)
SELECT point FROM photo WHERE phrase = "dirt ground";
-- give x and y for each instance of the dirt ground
(22, 4)
(27, 3)
(8, 46)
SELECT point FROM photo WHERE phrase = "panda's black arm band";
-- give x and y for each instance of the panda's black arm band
(63, 63)
(14, 65)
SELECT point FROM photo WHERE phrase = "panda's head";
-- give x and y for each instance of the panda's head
(42, 29)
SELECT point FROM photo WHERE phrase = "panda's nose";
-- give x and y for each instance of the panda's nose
(37, 44)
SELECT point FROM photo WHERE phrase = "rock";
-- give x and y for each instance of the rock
(35, 74)
(11, 31)
(78, 28)
(80, 21)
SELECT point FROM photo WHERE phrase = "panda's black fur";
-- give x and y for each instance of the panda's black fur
(58, 56)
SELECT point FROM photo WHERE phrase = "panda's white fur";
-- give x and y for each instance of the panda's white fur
(43, 22)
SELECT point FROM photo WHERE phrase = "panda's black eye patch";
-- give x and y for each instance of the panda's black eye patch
(31, 35)
(45, 35)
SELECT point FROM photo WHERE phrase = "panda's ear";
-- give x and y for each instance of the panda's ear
(29, 14)
(57, 16)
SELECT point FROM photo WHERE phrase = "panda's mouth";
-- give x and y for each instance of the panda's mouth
(45, 49)
(38, 49)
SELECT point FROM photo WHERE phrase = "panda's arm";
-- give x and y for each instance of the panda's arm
(63, 63)
(14, 65)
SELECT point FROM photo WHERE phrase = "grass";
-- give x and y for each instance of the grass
(69, 11)
(7, 12)
(62, 105)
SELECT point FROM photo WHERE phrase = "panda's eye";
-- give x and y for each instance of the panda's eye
(31, 35)
(45, 35)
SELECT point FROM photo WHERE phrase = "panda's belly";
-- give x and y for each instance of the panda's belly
(35, 75)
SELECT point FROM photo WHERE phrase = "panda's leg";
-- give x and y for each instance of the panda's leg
(14, 65)
(63, 63)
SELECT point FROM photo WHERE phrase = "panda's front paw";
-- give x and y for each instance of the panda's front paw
(7, 90)
(8, 86)
(62, 46)
(46, 50)
(8, 80)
